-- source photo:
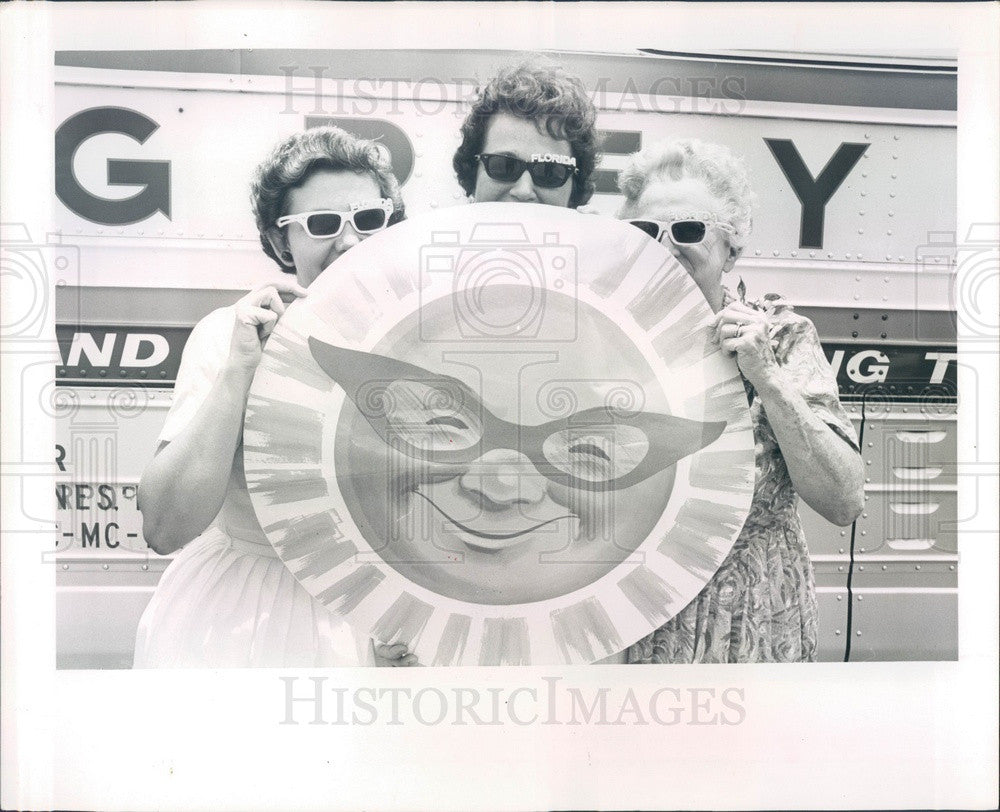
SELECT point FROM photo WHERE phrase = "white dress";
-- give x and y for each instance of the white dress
(227, 600)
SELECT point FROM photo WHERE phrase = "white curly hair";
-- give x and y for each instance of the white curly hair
(723, 173)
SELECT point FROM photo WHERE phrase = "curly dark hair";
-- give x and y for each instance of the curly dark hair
(554, 101)
(294, 159)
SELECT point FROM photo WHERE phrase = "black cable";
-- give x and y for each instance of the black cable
(854, 528)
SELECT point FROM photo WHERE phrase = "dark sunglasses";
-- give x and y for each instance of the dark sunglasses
(683, 231)
(322, 225)
(545, 174)
(438, 419)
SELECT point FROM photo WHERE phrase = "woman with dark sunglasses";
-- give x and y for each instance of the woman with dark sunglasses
(760, 606)
(530, 137)
(227, 600)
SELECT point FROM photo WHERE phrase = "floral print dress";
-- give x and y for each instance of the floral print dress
(761, 604)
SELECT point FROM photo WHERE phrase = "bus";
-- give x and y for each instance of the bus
(853, 160)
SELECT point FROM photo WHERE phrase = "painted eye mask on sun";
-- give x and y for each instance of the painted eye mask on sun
(438, 419)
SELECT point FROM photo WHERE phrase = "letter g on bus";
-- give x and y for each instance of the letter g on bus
(153, 176)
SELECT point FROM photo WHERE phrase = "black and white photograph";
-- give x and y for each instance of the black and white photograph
(508, 345)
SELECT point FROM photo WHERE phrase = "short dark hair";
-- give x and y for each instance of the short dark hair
(546, 95)
(294, 159)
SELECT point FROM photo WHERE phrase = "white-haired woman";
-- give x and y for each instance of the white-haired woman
(760, 606)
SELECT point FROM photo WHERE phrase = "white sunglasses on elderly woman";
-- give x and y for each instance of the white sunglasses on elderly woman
(366, 218)
(687, 230)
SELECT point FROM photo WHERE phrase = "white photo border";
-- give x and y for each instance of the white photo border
(879, 735)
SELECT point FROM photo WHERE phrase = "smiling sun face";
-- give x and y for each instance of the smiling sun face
(505, 472)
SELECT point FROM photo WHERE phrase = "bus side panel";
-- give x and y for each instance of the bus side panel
(187, 243)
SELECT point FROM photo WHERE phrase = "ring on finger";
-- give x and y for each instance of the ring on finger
(739, 328)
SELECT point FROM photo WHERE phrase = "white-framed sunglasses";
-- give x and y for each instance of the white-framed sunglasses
(366, 218)
(685, 230)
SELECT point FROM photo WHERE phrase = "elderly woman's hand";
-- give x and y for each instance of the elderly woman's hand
(393, 656)
(744, 332)
(825, 471)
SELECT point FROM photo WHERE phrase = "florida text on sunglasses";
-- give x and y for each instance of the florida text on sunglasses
(548, 171)
(438, 419)
(366, 218)
(688, 229)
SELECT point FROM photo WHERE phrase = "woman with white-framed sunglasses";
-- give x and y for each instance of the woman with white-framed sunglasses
(227, 599)
(695, 199)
